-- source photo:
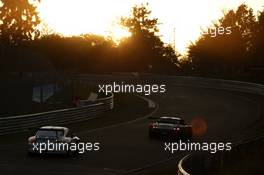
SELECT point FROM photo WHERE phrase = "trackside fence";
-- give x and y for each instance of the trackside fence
(20, 123)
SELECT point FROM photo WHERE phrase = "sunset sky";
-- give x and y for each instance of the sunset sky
(73, 17)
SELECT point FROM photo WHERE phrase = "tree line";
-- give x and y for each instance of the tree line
(236, 54)
(144, 51)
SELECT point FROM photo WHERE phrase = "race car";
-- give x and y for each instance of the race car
(171, 127)
(52, 139)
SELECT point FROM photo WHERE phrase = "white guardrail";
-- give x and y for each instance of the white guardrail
(181, 170)
(179, 80)
(24, 122)
(230, 85)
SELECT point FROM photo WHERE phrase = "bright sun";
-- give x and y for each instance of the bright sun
(75, 17)
(180, 20)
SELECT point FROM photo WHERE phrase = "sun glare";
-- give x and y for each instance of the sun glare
(75, 17)
(180, 20)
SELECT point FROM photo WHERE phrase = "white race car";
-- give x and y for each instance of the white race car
(53, 139)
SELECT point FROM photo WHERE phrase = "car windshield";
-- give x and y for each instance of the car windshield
(171, 121)
(49, 133)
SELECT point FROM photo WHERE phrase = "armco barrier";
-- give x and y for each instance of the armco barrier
(181, 170)
(24, 122)
(195, 163)
(206, 163)
(178, 80)
(219, 84)
(108, 101)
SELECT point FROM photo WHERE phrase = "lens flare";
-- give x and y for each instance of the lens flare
(199, 126)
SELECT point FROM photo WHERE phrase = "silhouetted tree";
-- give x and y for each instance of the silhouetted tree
(18, 21)
(259, 42)
(139, 23)
(85, 53)
(144, 49)
(226, 54)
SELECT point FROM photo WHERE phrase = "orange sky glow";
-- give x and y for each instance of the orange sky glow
(186, 18)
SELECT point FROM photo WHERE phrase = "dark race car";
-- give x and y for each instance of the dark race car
(170, 127)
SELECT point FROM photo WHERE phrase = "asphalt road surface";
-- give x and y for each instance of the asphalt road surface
(126, 147)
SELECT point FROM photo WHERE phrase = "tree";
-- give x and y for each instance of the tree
(18, 21)
(259, 42)
(226, 54)
(145, 47)
(243, 22)
(139, 22)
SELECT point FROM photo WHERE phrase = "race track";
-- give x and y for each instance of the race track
(126, 147)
